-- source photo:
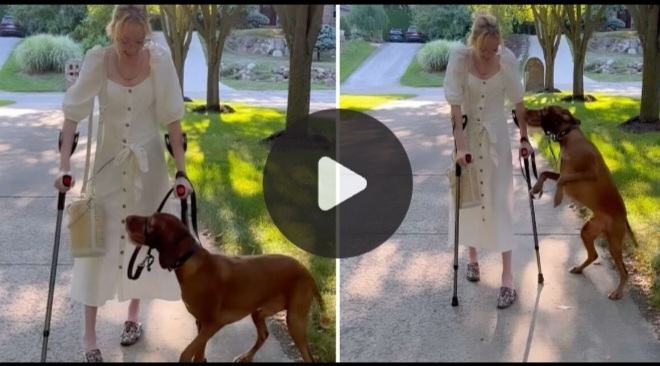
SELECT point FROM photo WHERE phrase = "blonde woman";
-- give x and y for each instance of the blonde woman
(478, 80)
(138, 92)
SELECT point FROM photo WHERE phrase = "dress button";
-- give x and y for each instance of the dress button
(483, 96)
(123, 221)
(130, 90)
(120, 267)
(123, 237)
(124, 140)
(482, 195)
(484, 83)
(481, 170)
(478, 119)
(123, 206)
(483, 207)
(484, 220)
(129, 108)
(127, 125)
(121, 252)
(124, 189)
(482, 182)
(124, 173)
(481, 157)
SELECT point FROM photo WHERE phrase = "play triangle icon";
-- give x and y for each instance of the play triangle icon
(337, 183)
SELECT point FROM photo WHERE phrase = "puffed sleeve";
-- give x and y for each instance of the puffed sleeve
(513, 85)
(78, 98)
(169, 99)
(455, 76)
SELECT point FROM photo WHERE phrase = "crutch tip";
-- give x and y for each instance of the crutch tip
(541, 278)
(454, 301)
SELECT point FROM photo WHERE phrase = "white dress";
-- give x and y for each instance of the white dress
(489, 225)
(135, 180)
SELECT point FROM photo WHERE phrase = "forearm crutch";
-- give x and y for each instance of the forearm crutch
(66, 180)
(468, 158)
(529, 196)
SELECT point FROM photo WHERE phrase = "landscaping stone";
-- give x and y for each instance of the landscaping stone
(534, 74)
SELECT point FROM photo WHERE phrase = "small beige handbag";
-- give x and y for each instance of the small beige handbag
(86, 215)
(470, 192)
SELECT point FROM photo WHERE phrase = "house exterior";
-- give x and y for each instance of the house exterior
(329, 15)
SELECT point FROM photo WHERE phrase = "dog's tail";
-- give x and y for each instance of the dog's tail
(324, 321)
(632, 234)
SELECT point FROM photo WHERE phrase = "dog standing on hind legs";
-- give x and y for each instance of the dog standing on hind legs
(584, 177)
(219, 290)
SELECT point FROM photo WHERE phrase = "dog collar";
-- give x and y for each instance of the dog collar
(179, 262)
(563, 134)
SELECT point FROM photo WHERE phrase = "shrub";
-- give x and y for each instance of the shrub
(326, 39)
(46, 53)
(91, 31)
(434, 56)
(343, 25)
(256, 19)
(370, 21)
(442, 21)
(614, 24)
(54, 19)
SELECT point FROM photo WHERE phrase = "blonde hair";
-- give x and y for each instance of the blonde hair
(484, 25)
(126, 13)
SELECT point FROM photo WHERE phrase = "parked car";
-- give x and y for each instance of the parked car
(10, 28)
(396, 35)
(412, 35)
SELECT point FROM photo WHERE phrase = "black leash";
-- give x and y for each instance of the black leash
(149, 259)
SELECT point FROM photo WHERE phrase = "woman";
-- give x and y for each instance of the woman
(478, 79)
(138, 92)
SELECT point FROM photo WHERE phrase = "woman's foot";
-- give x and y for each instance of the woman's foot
(132, 332)
(93, 355)
(506, 297)
(473, 272)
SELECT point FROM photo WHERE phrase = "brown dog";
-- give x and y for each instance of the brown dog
(585, 178)
(218, 290)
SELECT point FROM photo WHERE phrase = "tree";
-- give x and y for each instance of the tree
(646, 19)
(178, 29)
(371, 20)
(548, 32)
(301, 25)
(506, 15)
(53, 19)
(214, 23)
(578, 23)
(326, 40)
(449, 22)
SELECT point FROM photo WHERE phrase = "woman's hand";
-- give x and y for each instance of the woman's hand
(463, 158)
(59, 182)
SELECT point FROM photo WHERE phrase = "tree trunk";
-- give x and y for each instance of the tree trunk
(549, 72)
(213, 82)
(177, 27)
(301, 24)
(651, 59)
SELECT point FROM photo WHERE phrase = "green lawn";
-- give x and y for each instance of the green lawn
(6, 102)
(363, 103)
(12, 79)
(353, 53)
(225, 162)
(415, 76)
(633, 159)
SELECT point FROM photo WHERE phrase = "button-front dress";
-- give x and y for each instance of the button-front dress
(133, 177)
(490, 224)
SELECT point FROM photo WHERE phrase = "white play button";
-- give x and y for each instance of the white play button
(350, 183)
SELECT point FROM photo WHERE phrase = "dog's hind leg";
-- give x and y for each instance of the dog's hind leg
(259, 319)
(589, 232)
(296, 319)
(615, 239)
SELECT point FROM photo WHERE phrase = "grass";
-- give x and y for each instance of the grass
(6, 102)
(361, 103)
(616, 34)
(633, 159)
(353, 53)
(12, 79)
(225, 162)
(415, 76)
(269, 85)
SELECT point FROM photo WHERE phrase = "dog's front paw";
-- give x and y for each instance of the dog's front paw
(537, 189)
(615, 295)
(576, 270)
(559, 196)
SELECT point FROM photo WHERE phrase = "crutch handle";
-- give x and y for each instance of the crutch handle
(180, 190)
(524, 152)
(66, 180)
